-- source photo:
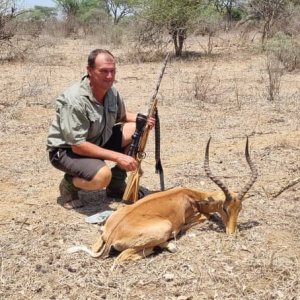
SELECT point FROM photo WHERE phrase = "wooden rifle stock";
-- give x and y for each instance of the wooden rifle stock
(131, 193)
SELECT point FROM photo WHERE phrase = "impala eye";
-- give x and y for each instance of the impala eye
(226, 209)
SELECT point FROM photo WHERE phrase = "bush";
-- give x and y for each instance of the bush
(236, 14)
(286, 49)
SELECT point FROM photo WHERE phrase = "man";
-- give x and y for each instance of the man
(90, 127)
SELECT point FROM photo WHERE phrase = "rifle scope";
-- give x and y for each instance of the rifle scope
(141, 121)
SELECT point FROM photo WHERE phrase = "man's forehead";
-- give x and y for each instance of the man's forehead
(104, 58)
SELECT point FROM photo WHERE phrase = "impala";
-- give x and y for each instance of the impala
(135, 230)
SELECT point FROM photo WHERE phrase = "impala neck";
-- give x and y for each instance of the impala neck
(209, 206)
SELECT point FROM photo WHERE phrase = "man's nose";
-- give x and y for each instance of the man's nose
(110, 74)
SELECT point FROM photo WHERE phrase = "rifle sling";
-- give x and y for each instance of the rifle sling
(158, 165)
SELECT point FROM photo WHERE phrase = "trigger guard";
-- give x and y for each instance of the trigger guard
(142, 155)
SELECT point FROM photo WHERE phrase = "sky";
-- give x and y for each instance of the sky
(32, 3)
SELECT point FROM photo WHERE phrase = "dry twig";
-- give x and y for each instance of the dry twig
(292, 183)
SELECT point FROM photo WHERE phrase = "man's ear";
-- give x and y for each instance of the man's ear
(88, 70)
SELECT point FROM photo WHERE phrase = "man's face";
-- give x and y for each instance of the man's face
(102, 76)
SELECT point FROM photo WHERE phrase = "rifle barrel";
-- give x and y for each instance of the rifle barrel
(132, 187)
(161, 76)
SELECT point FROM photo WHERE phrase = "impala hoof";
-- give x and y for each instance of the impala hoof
(171, 247)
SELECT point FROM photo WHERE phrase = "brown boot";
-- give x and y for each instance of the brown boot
(69, 198)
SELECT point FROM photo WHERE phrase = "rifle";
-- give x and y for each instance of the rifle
(138, 144)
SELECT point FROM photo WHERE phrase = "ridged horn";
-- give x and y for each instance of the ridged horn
(208, 172)
(254, 173)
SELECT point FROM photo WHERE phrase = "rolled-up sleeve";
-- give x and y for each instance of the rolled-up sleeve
(74, 124)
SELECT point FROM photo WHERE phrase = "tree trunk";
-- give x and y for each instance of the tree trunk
(178, 36)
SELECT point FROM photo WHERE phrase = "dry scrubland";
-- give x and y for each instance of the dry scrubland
(224, 96)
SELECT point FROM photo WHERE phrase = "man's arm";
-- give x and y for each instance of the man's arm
(124, 161)
(130, 117)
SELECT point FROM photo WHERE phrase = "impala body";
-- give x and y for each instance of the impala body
(135, 230)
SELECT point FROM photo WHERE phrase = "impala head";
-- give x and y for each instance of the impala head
(230, 208)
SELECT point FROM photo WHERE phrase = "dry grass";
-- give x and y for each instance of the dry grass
(260, 262)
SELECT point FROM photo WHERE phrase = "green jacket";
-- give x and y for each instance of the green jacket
(80, 118)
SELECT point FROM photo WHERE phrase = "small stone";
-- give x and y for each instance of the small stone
(183, 298)
(38, 267)
(71, 270)
(169, 277)
(191, 235)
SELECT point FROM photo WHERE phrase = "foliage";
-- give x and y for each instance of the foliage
(91, 12)
(236, 14)
(7, 14)
(70, 8)
(208, 23)
(168, 12)
(174, 15)
(286, 49)
(79, 13)
(295, 2)
(229, 8)
(39, 14)
(118, 9)
(269, 12)
(85, 10)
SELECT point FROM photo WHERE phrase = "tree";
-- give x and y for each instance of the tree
(118, 9)
(295, 2)
(269, 12)
(75, 11)
(40, 13)
(70, 8)
(175, 15)
(229, 8)
(91, 12)
(8, 13)
(208, 22)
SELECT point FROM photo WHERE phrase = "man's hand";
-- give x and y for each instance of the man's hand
(126, 162)
(151, 122)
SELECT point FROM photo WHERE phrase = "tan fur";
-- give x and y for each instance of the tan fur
(134, 230)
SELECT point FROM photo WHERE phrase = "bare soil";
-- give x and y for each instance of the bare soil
(224, 96)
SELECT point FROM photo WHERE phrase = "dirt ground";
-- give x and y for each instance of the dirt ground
(224, 96)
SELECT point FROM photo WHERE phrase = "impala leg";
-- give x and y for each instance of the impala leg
(98, 245)
(200, 218)
(170, 246)
(156, 231)
(133, 254)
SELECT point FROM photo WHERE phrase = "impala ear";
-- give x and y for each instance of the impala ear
(247, 196)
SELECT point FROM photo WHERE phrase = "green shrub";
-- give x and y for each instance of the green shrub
(286, 49)
(236, 14)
